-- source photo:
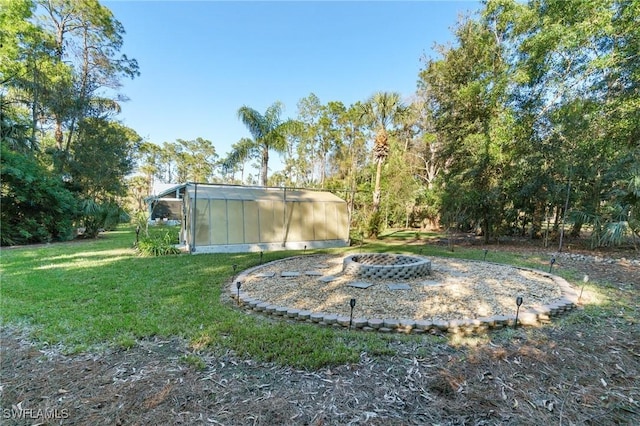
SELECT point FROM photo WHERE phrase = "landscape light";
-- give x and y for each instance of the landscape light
(518, 303)
(238, 285)
(352, 303)
(485, 254)
(553, 260)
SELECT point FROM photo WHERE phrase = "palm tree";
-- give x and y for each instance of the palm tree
(241, 152)
(267, 131)
(380, 111)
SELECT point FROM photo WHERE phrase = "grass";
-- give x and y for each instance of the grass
(85, 294)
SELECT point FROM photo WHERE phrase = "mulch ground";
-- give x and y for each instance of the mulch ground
(582, 371)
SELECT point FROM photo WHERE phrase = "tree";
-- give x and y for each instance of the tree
(308, 142)
(102, 157)
(85, 67)
(138, 190)
(351, 153)
(35, 206)
(196, 160)
(578, 90)
(61, 70)
(467, 91)
(380, 111)
(267, 131)
(241, 152)
(319, 136)
(148, 161)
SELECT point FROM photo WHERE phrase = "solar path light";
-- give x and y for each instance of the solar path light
(352, 303)
(518, 303)
(238, 285)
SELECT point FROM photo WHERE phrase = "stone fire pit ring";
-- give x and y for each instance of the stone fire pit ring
(386, 266)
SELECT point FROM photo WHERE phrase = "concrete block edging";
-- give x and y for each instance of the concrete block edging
(526, 317)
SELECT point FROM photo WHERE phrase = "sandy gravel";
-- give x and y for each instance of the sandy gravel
(456, 289)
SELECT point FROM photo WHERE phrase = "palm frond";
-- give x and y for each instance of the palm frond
(615, 233)
(254, 121)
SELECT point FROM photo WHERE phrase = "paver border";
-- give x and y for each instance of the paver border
(526, 317)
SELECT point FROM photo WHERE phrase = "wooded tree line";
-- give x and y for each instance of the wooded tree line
(529, 124)
(64, 156)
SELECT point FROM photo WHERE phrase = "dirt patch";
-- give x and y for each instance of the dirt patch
(582, 370)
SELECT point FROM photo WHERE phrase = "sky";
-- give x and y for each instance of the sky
(200, 61)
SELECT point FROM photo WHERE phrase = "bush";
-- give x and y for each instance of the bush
(35, 206)
(96, 216)
(158, 245)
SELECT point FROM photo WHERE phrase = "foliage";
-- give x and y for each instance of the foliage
(158, 245)
(97, 216)
(61, 68)
(267, 131)
(35, 205)
(380, 111)
(521, 107)
(92, 67)
(241, 152)
(529, 120)
(141, 222)
(195, 160)
(14, 132)
(102, 157)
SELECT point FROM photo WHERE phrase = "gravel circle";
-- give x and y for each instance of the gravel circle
(456, 289)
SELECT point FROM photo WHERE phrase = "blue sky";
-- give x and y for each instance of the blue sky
(202, 60)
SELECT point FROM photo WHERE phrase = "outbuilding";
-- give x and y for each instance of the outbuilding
(229, 219)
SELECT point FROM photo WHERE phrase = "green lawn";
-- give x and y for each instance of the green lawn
(85, 294)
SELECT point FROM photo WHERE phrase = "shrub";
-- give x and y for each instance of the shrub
(35, 206)
(96, 216)
(158, 245)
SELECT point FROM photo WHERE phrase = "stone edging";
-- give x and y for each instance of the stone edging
(526, 317)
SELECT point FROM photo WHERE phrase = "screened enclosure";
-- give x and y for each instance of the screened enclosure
(220, 218)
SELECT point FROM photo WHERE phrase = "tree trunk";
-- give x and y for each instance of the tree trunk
(376, 188)
(58, 134)
(265, 166)
(487, 229)
(537, 220)
(322, 169)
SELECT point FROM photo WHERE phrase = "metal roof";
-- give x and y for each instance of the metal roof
(224, 192)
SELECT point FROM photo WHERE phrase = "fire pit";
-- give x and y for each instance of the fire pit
(386, 266)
